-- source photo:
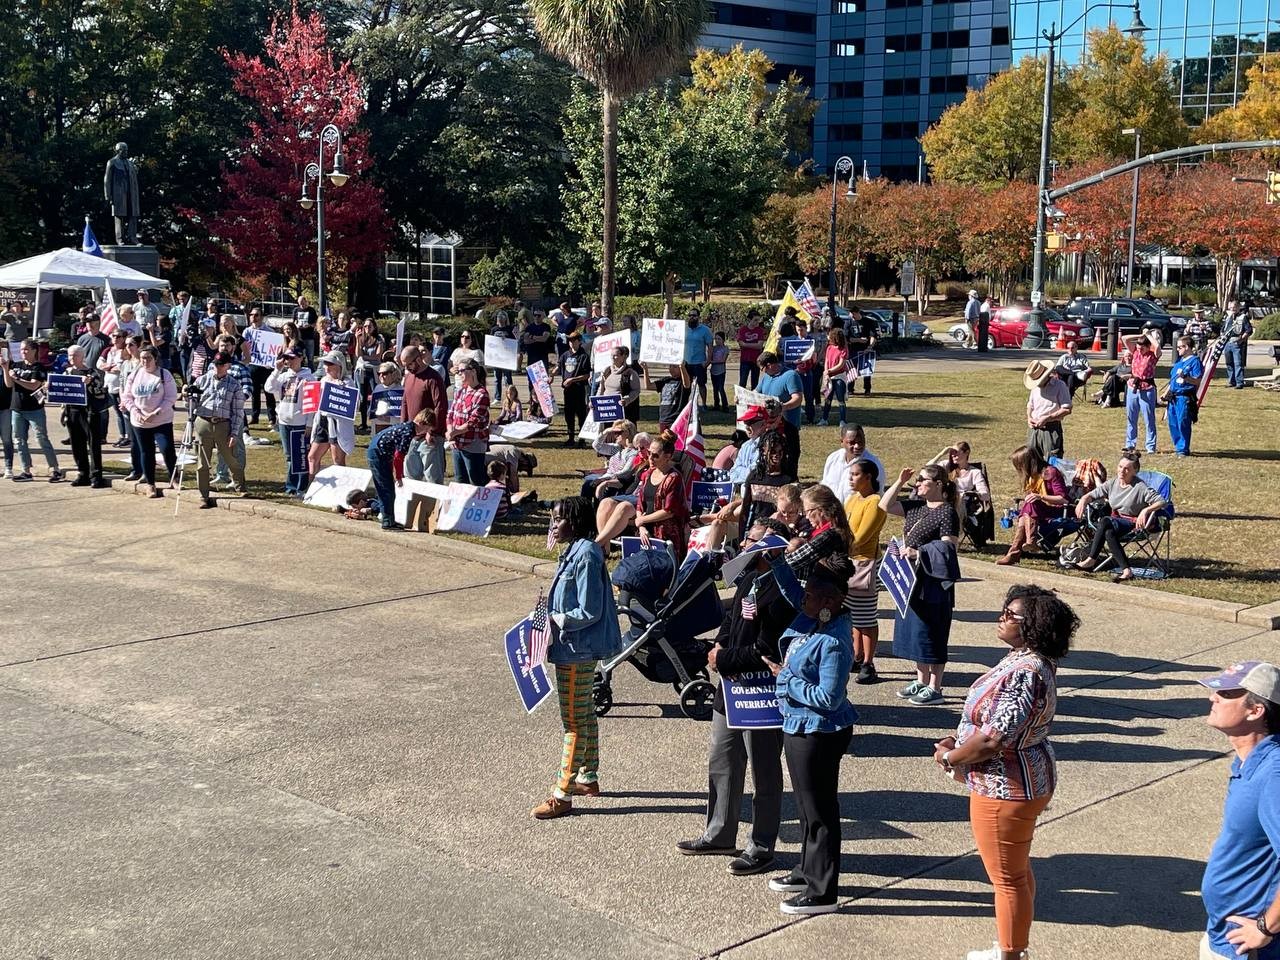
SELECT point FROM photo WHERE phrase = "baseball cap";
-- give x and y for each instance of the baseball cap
(1257, 676)
(290, 354)
(756, 412)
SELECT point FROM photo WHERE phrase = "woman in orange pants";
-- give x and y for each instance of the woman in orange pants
(1001, 750)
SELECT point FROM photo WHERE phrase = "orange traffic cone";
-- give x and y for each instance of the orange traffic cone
(1061, 342)
(1097, 340)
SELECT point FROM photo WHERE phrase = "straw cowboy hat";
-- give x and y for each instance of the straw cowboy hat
(1037, 374)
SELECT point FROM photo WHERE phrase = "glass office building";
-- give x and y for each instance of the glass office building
(1210, 43)
(783, 30)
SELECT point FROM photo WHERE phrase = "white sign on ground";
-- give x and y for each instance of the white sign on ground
(329, 487)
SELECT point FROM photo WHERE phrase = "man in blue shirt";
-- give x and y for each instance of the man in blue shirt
(698, 339)
(783, 384)
(1242, 877)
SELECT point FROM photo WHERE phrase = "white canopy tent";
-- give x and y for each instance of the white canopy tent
(73, 269)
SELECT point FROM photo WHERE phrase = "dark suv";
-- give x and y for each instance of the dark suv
(1134, 315)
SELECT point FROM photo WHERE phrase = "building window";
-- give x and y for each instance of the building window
(906, 130)
(899, 4)
(902, 43)
(847, 90)
(844, 132)
(845, 6)
(846, 48)
(904, 87)
(999, 36)
(955, 40)
(957, 83)
(761, 18)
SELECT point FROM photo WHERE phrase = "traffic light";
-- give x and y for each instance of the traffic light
(1273, 186)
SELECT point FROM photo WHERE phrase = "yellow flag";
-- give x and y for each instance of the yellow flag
(788, 300)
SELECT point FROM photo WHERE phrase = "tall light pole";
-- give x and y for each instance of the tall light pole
(1136, 133)
(330, 136)
(843, 165)
(1036, 332)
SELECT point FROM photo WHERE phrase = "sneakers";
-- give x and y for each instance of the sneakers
(551, 808)
(101, 484)
(926, 695)
(57, 476)
(133, 478)
(155, 493)
(22, 477)
(580, 789)
(7, 475)
(701, 848)
(867, 674)
(910, 690)
(207, 503)
(750, 863)
(822, 422)
(805, 905)
(995, 953)
(788, 883)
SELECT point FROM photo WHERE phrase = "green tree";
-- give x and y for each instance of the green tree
(620, 47)
(713, 73)
(772, 251)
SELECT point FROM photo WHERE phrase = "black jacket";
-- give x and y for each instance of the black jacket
(743, 642)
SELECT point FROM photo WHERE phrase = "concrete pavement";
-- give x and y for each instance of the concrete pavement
(232, 737)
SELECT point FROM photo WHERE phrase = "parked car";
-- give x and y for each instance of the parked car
(1008, 328)
(1133, 315)
(912, 328)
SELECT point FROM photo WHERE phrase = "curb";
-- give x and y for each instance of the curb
(1266, 616)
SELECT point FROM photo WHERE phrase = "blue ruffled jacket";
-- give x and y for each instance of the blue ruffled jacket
(582, 608)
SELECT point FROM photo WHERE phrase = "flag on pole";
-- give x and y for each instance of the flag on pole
(804, 293)
(688, 434)
(771, 343)
(89, 244)
(109, 318)
(539, 632)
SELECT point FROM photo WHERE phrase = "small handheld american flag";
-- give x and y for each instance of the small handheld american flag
(551, 535)
(749, 604)
(539, 632)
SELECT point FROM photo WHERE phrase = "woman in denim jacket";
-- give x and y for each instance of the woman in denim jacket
(584, 629)
(817, 725)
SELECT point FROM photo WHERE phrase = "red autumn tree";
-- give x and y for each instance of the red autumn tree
(997, 234)
(918, 222)
(1097, 222)
(298, 89)
(853, 233)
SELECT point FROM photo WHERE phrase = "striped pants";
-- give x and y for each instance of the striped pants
(581, 755)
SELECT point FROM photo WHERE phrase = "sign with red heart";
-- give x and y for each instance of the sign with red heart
(662, 341)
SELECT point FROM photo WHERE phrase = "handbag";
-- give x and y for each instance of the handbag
(863, 579)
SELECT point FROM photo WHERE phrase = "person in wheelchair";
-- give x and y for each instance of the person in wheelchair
(1132, 506)
(1044, 495)
(973, 490)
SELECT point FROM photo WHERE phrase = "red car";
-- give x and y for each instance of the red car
(1009, 327)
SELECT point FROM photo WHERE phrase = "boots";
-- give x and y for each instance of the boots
(1014, 553)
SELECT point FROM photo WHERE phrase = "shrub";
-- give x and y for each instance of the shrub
(1268, 328)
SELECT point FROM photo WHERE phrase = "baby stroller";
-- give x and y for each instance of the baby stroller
(667, 609)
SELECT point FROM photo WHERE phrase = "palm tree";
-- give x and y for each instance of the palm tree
(621, 46)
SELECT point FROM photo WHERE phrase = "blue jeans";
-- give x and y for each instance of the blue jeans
(1144, 402)
(469, 468)
(1179, 414)
(839, 389)
(384, 482)
(1235, 354)
(589, 483)
(748, 370)
(21, 421)
(6, 435)
(123, 426)
(146, 439)
(432, 457)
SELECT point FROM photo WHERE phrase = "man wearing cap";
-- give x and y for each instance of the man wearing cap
(1241, 886)
(1198, 330)
(783, 384)
(93, 341)
(754, 419)
(750, 337)
(1236, 330)
(285, 384)
(1047, 406)
(219, 422)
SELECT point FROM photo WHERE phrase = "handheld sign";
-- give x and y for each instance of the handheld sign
(751, 702)
(501, 353)
(338, 400)
(606, 409)
(265, 346)
(67, 389)
(732, 569)
(663, 340)
(744, 398)
(898, 574)
(795, 348)
(531, 679)
(632, 545)
(400, 336)
(296, 456)
(469, 509)
(388, 402)
(540, 384)
(15, 349)
(705, 497)
(310, 392)
(861, 364)
(602, 349)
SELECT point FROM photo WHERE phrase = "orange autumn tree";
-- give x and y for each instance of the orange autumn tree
(919, 222)
(854, 241)
(997, 234)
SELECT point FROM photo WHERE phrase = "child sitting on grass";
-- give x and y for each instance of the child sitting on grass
(512, 408)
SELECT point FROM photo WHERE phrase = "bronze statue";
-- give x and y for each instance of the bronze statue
(120, 186)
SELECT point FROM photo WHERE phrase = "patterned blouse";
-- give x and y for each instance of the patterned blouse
(1015, 700)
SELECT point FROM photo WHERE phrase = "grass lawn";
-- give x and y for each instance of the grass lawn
(1226, 538)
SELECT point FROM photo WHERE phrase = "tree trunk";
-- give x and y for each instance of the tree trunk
(706, 289)
(609, 245)
(669, 296)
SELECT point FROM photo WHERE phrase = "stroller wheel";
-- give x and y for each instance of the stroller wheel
(696, 699)
(602, 696)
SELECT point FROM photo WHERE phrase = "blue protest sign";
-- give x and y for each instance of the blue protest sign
(296, 454)
(732, 569)
(862, 363)
(606, 409)
(706, 497)
(388, 402)
(531, 681)
(794, 349)
(338, 400)
(898, 574)
(632, 545)
(67, 389)
(751, 702)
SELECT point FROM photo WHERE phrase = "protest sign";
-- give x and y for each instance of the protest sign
(751, 702)
(602, 349)
(663, 340)
(411, 488)
(329, 487)
(339, 400)
(265, 346)
(388, 402)
(520, 430)
(706, 497)
(531, 679)
(469, 509)
(296, 456)
(66, 389)
(540, 384)
(794, 349)
(732, 569)
(861, 364)
(310, 392)
(607, 409)
(590, 430)
(400, 337)
(15, 349)
(632, 545)
(898, 574)
(501, 353)
(744, 398)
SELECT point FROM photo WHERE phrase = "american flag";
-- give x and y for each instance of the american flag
(109, 319)
(804, 293)
(749, 604)
(688, 433)
(551, 536)
(539, 632)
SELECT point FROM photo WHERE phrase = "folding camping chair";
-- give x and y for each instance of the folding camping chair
(978, 520)
(1149, 549)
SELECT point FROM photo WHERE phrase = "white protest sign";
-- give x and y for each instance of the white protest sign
(590, 430)
(411, 488)
(399, 337)
(602, 349)
(500, 353)
(520, 430)
(662, 340)
(329, 487)
(469, 509)
(744, 398)
(265, 344)
(15, 349)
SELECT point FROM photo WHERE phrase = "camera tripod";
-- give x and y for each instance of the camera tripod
(185, 449)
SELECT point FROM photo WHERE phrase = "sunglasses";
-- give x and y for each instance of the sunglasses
(1007, 614)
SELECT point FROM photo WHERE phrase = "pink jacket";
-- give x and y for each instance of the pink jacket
(146, 392)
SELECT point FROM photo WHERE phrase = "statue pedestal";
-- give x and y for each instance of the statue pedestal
(141, 257)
